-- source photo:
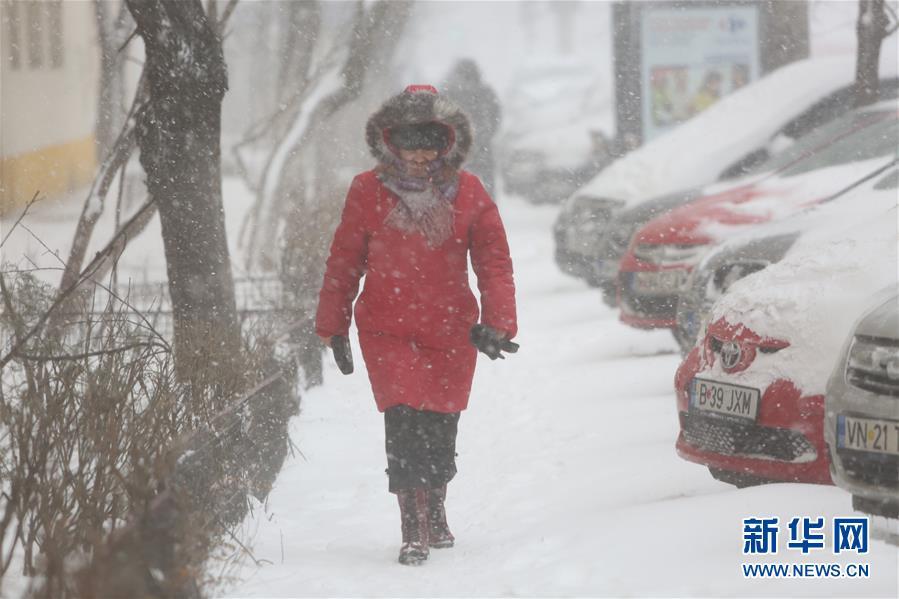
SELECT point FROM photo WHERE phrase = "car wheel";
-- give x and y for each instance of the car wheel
(740, 480)
(610, 295)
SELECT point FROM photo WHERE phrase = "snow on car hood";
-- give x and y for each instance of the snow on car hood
(813, 296)
(696, 152)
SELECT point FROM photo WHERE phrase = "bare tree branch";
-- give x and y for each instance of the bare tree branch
(89, 354)
(365, 47)
(94, 203)
(226, 15)
(89, 272)
(28, 206)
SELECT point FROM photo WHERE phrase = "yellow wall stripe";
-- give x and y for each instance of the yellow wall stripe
(52, 170)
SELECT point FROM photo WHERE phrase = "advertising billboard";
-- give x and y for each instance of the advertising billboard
(692, 57)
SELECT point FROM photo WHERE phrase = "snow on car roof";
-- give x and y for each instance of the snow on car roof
(780, 198)
(697, 151)
(814, 295)
(827, 217)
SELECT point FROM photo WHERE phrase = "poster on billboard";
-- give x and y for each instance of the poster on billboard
(691, 57)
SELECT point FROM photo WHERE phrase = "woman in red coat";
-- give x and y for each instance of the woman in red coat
(409, 226)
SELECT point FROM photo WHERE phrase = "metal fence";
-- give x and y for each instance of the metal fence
(261, 302)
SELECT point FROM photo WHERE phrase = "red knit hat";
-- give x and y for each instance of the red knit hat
(415, 88)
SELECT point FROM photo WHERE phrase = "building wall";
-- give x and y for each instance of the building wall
(49, 78)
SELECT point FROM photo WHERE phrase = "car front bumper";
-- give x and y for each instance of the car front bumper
(784, 443)
(649, 297)
(866, 474)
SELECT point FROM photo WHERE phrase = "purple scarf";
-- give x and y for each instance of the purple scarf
(426, 203)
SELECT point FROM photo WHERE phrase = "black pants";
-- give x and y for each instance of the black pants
(421, 448)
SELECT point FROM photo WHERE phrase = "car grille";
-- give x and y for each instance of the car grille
(749, 440)
(871, 365)
(872, 469)
(875, 383)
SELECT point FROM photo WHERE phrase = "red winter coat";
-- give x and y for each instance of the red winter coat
(416, 307)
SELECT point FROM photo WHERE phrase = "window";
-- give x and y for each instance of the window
(35, 31)
(54, 29)
(11, 30)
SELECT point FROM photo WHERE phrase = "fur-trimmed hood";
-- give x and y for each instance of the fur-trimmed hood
(419, 104)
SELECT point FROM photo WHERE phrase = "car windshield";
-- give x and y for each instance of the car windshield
(864, 144)
(820, 136)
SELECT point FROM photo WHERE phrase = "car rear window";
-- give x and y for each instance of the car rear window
(890, 181)
(873, 141)
(807, 144)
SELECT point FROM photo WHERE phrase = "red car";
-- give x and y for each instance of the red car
(750, 395)
(772, 434)
(662, 253)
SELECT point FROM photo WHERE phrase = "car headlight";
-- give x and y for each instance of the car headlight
(620, 236)
(873, 365)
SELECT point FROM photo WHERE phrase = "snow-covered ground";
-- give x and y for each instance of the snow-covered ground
(568, 481)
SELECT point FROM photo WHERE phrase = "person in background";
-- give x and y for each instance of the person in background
(409, 227)
(465, 86)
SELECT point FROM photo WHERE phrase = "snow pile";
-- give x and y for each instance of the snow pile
(696, 152)
(813, 296)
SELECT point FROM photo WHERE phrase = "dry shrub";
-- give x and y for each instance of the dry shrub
(119, 479)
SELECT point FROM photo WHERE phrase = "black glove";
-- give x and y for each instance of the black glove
(491, 342)
(340, 345)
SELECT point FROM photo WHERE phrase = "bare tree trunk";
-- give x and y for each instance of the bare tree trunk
(298, 47)
(871, 29)
(178, 132)
(112, 32)
(116, 158)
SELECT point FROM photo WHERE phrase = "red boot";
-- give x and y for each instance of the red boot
(440, 536)
(414, 514)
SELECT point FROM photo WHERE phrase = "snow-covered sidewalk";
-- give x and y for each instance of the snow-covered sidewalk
(568, 481)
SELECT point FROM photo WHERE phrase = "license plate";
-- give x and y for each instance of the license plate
(724, 399)
(868, 434)
(663, 281)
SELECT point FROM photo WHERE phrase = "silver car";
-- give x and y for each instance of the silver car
(862, 407)
(592, 235)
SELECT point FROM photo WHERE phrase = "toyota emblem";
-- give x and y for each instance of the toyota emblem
(730, 354)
